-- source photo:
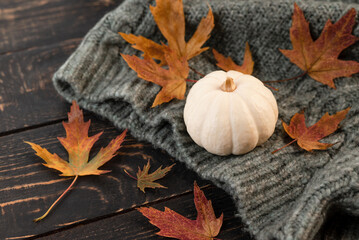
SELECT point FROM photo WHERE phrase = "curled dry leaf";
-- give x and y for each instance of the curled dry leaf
(228, 64)
(319, 58)
(307, 138)
(172, 80)
(146, 180)
(78, 145)
(172, 224)
(170, 19)
(149, 48)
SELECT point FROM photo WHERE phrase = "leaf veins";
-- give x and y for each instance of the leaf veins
(228, 64)
(169, 17)
(308, 138)
(172, 80)
(146, 180)
(174, 225)
(78, 145)
(319, 58)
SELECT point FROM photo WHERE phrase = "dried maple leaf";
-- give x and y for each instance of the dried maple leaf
(319, 58)
(227, 63)
(146, 180)
(78, 145)
(307, 138)
(174, 225)
(172, 80)
(150, 48)
(169, 17)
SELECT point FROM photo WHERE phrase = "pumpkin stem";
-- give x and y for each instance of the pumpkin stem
(228, 85)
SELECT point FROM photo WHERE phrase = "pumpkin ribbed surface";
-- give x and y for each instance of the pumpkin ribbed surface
(230, 122)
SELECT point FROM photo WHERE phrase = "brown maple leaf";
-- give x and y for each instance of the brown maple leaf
(78, 145)
(172, 80)
(172, 224)
(169, 17)
(146, 180)
(307, 138)
(319, 58)
(227, 63)
(149, 48)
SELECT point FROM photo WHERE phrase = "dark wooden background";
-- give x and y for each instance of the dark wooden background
(36, 37)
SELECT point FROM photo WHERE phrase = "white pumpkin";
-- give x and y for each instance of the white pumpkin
(230, 113)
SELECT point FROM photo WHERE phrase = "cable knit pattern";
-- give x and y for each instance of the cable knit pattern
(281, 196)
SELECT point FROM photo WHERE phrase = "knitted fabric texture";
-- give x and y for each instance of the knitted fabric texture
(286, 195)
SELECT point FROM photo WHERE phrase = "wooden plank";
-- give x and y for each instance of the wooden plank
(34, 23)
(42, 28)
(27, 188)
(27, 96)
(132, 225)
(339, 225)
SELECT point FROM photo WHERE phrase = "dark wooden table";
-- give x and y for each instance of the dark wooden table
(36, 37)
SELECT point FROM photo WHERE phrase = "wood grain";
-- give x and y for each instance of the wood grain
(36, 37)
(27, 96)
(132, 225)
(27, 188)
(34, 23)
(339, 225)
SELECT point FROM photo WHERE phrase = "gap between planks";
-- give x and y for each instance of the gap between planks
(66, 42)
(117, 213)
(35, 126)
(40, 125)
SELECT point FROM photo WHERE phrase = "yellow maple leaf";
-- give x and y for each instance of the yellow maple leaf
(78, 145)
(146, 180)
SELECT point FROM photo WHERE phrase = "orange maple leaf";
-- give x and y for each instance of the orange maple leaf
(227, 63)
(319, 58)
(307, 138)
(169, 17)
(78, 145)
(174, 225)
(146, 180)
(172, 80)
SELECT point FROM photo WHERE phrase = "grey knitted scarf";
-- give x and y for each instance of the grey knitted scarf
(285, 195)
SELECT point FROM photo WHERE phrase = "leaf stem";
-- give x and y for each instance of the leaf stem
(190, 80)
(287, 79)
(269, 86)
(47, 212)
(284, 146)
(194, 70)
(129, 174)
